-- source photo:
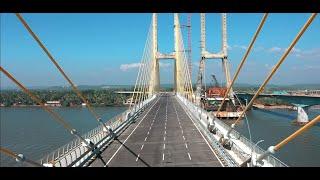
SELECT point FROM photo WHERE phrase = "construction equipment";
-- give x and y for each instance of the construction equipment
(214, 81)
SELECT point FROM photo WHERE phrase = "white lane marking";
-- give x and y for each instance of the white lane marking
(189, 156)
(137, 157)
(184, 139)
(131, 132)
(205, 139)
(148, 133)
(165, 127)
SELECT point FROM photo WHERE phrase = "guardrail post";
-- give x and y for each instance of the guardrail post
(94, 148)
(20, 158)
(259, 161)
(113, 135)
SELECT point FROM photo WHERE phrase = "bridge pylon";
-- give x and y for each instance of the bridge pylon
(205, 55)
(155, 77)
(178, 56)
(178, 59)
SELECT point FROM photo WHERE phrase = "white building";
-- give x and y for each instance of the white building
(53, 103)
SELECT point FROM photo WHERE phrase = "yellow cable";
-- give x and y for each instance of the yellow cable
(35, 98)
(243, 59)
(8, 152)
(139, 71)
(74, 88)
(14, 155)
(275, 68)
(298, 132)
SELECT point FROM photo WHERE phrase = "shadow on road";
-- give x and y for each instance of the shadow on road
(133, 153)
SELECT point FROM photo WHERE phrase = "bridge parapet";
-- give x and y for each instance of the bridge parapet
(74, 154)
(241, 147)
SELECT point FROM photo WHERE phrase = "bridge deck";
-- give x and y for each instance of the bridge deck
(163, 135)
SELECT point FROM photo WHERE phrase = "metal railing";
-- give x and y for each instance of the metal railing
(196, 110)
(75, 154)
(258, 150)
(188, 106)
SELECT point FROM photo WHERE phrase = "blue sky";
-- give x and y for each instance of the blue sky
(99, 49)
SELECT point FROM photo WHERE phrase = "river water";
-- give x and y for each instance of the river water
(273, 126)
(31, 131)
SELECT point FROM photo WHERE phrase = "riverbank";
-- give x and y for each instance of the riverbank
(262, 106)
(64, 98)
(73, 106)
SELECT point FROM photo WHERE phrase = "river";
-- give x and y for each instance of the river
(31, 131)
(272, 126)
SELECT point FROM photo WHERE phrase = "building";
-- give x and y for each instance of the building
(53, 103)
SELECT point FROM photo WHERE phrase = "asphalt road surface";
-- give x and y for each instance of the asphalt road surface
(163, 135)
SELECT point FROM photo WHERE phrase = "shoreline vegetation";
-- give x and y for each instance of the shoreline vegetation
(289, 107)
(272, 103)
(102, 97)
(74, 106)
(63, 98)
(262, 106)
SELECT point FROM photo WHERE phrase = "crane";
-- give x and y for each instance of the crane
(214, 80)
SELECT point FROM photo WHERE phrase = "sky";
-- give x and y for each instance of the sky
(105, 49)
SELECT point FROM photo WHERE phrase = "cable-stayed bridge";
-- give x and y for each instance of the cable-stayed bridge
(164, 129)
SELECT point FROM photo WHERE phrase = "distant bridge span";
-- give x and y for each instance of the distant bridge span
(293, 99)
(128, 92)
